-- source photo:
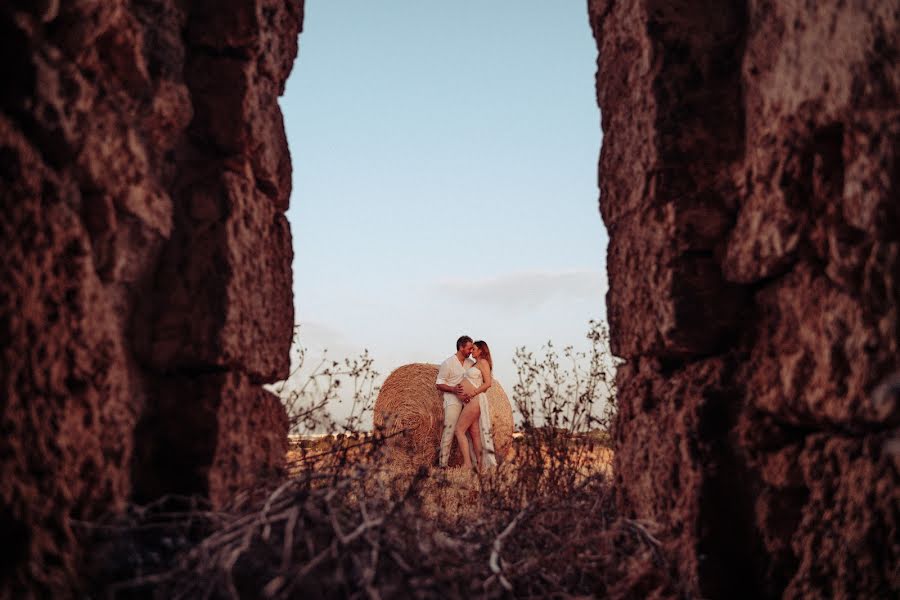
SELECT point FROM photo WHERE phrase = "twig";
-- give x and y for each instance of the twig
(494, 561)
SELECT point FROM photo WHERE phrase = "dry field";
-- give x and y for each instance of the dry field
(348, 524)
(454, 494)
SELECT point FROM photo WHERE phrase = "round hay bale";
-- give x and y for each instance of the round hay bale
(409, 402)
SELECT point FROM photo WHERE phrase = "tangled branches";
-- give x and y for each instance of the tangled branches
(365, 538)
(349, 524)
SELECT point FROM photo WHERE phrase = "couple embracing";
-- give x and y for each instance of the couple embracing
(464, 378)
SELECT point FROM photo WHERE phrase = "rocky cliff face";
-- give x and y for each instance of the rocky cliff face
(145, 285)
(749, 181)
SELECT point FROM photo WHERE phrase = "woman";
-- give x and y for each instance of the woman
(475, 417)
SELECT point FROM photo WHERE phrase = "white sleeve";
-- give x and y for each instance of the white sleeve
(443, 373)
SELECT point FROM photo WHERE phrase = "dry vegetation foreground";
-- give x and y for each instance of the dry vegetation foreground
(349, 524)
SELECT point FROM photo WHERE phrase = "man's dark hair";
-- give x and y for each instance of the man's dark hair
(462, 341)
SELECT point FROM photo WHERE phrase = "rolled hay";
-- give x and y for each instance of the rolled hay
(410, 403)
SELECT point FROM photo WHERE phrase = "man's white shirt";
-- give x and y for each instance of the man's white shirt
(451, 373)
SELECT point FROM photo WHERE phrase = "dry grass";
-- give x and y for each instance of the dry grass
(354, 526)
(349, 522)
(443, 492)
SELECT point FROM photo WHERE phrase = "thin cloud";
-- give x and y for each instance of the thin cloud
(527, 289)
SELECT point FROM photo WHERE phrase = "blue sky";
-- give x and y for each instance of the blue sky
(445, 177)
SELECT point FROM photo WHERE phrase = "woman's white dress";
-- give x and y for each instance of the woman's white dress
(488, 455)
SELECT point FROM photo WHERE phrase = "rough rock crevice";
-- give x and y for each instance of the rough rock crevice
(145, 278)
(748, 181)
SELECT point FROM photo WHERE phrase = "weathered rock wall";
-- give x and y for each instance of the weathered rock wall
(749, 181)
(145, 285)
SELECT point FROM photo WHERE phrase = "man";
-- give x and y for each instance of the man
(449, 381)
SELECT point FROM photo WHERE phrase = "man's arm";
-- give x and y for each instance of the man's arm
(442, 385)
(450, 389)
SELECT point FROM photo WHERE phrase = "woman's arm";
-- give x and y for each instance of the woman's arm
(486, 374)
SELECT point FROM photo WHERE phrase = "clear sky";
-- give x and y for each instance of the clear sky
(445, 177)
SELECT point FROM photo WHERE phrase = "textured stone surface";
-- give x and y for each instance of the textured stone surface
(749, 176)
(209, 435)
(223, 284)
(64, 416)
(144, 174)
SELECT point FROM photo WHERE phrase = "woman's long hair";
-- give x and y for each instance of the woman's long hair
(485, 353)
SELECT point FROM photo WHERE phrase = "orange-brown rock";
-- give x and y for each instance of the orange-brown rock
(749, 176)
(145, 285)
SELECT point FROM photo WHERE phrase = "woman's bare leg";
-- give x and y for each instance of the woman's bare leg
(468, 416)
(475, 432)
